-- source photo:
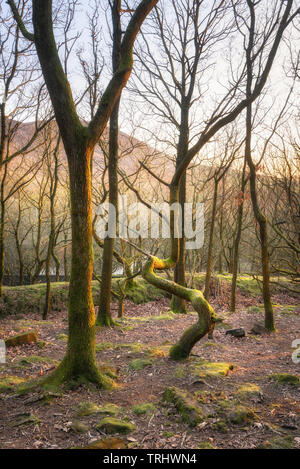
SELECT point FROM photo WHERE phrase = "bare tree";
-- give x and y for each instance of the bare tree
(79, 143)
(223, 115)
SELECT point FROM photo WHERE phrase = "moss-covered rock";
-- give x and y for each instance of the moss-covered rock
(110, 409)
(113, 425)
(285, 378)
(205, 369)
(187, 407)
(107, 443)
(241, 415)
(22, 339)
(141, 409)
(231, 411)
(140, 363)
(85, 409)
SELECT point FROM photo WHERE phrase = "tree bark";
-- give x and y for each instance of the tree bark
(260, 218)
(104, 314)
(211, 242)
(236, 246)
(178, 304)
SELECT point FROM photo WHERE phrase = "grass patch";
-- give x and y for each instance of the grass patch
(36, 360)
(205, 445)
(249, 391)
(285, 442)
(141, 409)
(62, 337)
(10, 383)
(285, 378)
(104, 346)
(140, 363)
(30, 298)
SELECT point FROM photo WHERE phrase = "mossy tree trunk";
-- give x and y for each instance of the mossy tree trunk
(259, 216)
(219, 175)
(178, 304)
(19, 242)
(104, 314)
(237, 240)
(209, 261)
(53, 176)
(221, 230)
(79, 142)
(56, 261)
(66, 268)
(3, 204)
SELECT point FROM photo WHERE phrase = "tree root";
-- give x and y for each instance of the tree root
(65, 377)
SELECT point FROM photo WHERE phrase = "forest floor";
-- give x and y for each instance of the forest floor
(253, 404)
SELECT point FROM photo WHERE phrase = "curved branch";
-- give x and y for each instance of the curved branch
(206, 315)
(19, 21)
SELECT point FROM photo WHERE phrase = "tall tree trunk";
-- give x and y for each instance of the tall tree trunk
(51, 242)
(263, 232)
(2, 244)
(221, 228)
(178, 304)
(235, 261)
(20, 257)
(66, 269)
(2, 228)
(104, 314)
(47, 304)
(211, 242)
(260, 218)
(79, 362)
(57, 264)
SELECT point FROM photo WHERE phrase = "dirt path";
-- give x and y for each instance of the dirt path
(273, 409)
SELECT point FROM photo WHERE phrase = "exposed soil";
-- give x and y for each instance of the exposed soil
(276, 410)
